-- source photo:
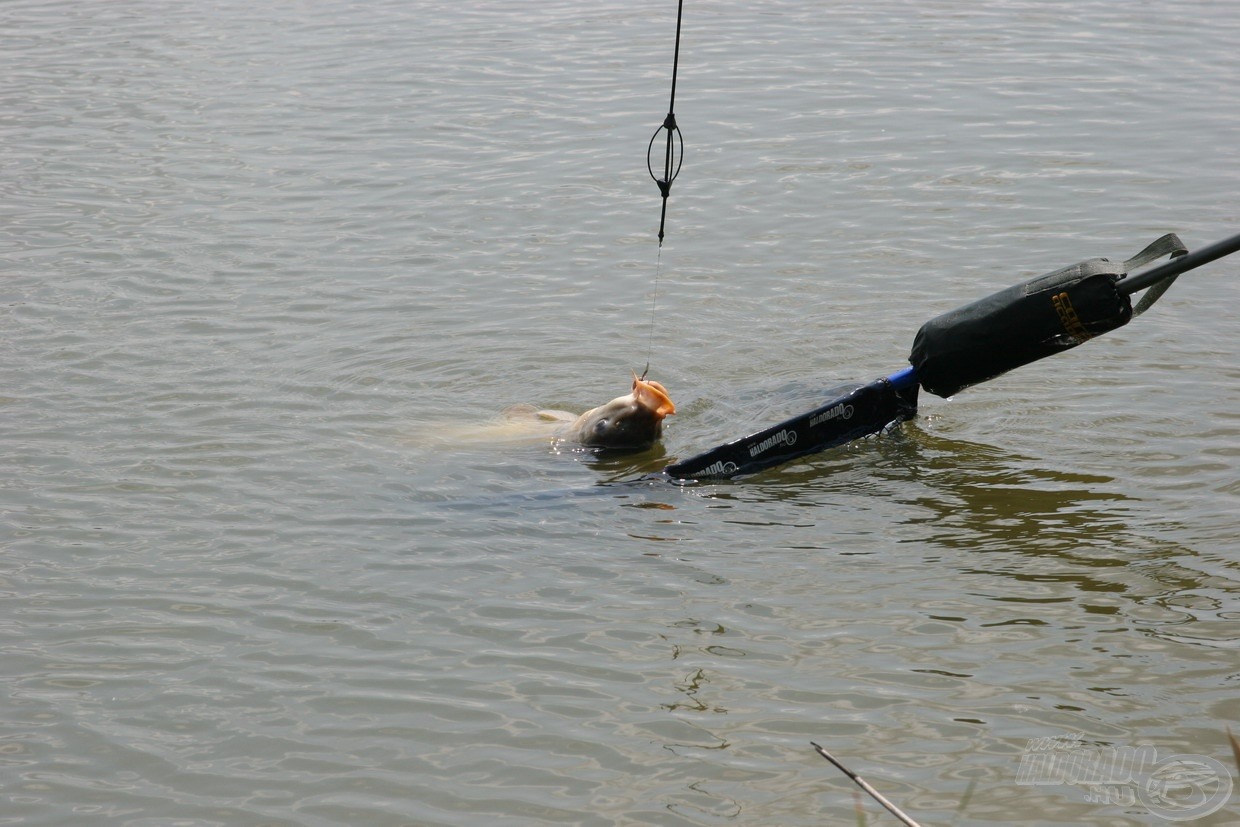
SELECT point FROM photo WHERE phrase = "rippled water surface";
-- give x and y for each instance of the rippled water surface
(268, 267)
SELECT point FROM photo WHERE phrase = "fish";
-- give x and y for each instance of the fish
(631, 422)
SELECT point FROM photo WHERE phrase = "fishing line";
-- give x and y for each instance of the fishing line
(654, 300)
(673, 157)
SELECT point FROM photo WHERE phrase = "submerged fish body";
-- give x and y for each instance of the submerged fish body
(630, 422)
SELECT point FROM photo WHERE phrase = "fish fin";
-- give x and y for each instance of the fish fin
(556, 416)
(518, 412)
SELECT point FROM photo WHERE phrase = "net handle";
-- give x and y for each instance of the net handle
(1179, 265)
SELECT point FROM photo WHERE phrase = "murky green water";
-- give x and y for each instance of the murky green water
(259, 259)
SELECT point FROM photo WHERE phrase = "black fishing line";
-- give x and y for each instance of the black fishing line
(673, 154)
(673, 157)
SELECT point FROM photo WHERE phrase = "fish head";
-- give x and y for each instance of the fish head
(630, 422)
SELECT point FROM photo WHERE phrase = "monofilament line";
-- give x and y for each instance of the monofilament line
(654, 300)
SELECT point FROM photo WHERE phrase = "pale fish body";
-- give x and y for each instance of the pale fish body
(630, 422)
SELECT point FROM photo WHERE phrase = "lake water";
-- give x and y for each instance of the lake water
(264, 261)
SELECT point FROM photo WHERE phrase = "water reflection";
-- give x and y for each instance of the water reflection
(984, 498)
(997, 514)
(619, 466)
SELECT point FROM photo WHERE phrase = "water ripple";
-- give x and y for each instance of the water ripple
(255, 254)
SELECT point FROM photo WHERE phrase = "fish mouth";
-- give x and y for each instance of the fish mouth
(653, 397)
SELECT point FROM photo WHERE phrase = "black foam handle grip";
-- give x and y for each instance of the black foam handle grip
(1019, 325)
